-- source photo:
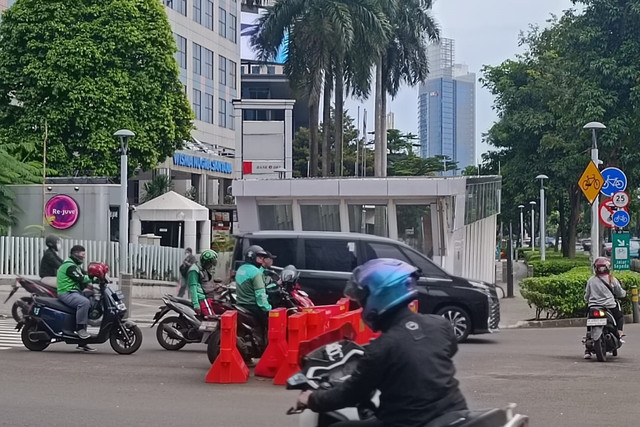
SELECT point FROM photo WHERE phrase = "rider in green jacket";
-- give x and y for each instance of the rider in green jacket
(250, 287)
(198, 274)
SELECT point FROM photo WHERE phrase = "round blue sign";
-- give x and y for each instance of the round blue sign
(620, 219)
(614, 180)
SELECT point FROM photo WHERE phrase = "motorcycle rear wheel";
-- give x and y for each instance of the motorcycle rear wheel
(213, 346)
(599, 347)
(164, 339)
(128, 344)
(28, 342)
(17, 311)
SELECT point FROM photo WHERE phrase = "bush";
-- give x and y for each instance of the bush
(557, 266)
(562, 295)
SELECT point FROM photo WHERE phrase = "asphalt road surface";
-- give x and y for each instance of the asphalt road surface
(541, 370)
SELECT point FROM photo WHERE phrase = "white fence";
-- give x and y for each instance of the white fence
(21, 256)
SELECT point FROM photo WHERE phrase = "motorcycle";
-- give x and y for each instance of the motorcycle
(251, 340)
(174, 332)
(36, 288)
(49, 320)
(330, 358)
(602, 333)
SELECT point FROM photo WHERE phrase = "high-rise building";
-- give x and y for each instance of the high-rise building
(446, 108)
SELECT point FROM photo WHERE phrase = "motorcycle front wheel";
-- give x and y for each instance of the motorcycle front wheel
(599, 347)
(125, 339)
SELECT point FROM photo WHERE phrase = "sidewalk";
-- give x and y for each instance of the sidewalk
(514, 310)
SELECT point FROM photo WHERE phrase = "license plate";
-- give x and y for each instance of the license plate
(121, 306)
(208, 326)
(596, 322)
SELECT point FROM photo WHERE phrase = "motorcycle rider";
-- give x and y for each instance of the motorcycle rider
(71, 281)
(199, 274)
(410, 363)
(602, 290)
(250, 287)
(50, 261)
(270, 276)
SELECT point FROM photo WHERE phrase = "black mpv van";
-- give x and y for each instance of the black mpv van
(325, 261)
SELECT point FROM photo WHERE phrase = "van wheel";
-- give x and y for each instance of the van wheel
(459, 319)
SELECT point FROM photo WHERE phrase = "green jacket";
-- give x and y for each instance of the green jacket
(250, 287)
(71, 277)
(194, 279)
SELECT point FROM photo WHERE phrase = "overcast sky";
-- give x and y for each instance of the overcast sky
(485, 33)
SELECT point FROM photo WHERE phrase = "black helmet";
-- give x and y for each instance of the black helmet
(252, 252)
(52, 242)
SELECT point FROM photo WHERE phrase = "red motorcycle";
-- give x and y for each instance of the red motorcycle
(35, 288)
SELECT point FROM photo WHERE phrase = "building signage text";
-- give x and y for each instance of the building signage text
(194, 162)
(62, 212)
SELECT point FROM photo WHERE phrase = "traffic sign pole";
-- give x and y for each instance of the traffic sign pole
(595, 243)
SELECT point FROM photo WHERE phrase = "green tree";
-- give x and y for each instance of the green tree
(403, 60)
(13, 171)
(89, 68)
(159, 185)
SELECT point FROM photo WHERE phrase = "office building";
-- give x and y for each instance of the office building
(446, 108)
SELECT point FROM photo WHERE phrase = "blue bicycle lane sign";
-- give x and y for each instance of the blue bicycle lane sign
(614, 180)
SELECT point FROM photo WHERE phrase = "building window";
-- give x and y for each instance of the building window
(179, 6)
(230, 120)
(208, 14)
(255, 69)
(181, 54)
(208, 63)
(368, 219)
(275, 217)
(222, 22)
(197, 11)
(320, 217)
(197, 59)
(208, 108)
(232, 74)
(271, 69)
(222, 70)
(222, 113)
(233, 25)
(197, 103)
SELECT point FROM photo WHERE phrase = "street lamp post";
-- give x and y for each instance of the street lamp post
(521, 207)
(533, 225)
(124, 135)
(543, 228)
(595, 238)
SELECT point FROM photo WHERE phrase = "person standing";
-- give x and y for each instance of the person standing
(189, 260)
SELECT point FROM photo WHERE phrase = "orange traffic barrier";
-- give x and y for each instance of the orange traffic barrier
(228, 367)
(276, 351)
(297, 333)
(413, 305)
(316, 323)
(344, 304)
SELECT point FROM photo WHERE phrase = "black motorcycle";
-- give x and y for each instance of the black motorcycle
(49, 320)
(187, 327)
(332, 357)
(602, 333)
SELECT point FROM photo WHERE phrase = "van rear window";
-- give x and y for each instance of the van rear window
(330, 255)
(283, 249)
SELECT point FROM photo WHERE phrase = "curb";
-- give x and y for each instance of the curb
(556, 323)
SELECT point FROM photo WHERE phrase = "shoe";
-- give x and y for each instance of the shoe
(85, 347)
(587, 355)
(83, 334)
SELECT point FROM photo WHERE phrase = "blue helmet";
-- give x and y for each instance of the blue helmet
(380, 285)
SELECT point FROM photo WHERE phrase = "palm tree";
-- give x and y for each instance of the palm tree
(158, 185)
(321, 32)
(13, 171)
(403, 60)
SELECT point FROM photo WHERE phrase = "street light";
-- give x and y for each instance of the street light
(533, 226)
(124, 135)
(521, 207)
(543, 231)
(595, 238)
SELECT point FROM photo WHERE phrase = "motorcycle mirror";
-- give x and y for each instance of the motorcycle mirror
(297, 382)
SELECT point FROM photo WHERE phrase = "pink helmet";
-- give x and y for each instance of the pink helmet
(602, 266)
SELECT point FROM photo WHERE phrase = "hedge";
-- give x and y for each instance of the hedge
(557, 266)
(562, 295)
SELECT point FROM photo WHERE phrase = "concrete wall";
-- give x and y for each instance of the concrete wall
(93, 203)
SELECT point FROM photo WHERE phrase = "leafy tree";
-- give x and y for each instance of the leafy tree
(159, 185)
(89, 68)
(13, 171)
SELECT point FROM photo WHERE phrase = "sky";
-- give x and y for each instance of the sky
(485, 33)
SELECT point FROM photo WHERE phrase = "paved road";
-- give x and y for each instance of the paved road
(542, 370)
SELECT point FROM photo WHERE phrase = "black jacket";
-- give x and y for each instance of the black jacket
(411, 365)
(50, 263)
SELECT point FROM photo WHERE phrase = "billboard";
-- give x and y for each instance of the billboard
(248, 24)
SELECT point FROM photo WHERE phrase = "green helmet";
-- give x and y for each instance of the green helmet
(208, 257)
